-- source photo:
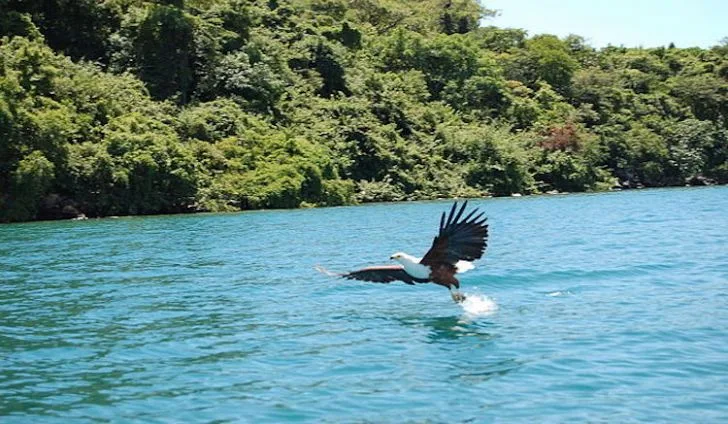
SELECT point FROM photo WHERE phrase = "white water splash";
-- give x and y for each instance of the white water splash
(478, 305)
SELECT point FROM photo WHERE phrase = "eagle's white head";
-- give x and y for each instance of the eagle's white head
(412, 265)
(402, 257)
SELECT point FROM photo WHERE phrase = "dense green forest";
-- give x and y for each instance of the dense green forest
(115, 107)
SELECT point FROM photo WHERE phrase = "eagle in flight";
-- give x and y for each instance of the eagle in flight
(460, 241)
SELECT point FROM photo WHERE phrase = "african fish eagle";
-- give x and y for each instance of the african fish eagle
(458, 243)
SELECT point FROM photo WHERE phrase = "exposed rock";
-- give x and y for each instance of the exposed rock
(699, 180)
(630, 183)
(70, 211)
(55, 206)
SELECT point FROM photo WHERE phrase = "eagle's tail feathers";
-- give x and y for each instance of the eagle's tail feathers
(325, 271)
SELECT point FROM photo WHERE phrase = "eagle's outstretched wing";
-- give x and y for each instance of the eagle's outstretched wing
(383, 274)
(459, 239)
(378, 274)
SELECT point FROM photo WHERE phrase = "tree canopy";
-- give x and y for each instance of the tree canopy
(164, 106)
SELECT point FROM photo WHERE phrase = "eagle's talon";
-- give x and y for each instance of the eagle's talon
(457, 297)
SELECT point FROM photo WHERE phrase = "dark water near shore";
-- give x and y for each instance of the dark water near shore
(591, 308)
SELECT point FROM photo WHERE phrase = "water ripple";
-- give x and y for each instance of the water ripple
(589, 308)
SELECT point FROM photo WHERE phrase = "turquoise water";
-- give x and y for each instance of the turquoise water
(586, 308)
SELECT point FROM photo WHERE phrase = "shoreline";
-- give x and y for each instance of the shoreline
(512, 196)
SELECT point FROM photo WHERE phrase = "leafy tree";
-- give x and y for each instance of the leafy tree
(442, 59)
(500, 40)
(706, 95)
(167, 106)
(30, 180)
(79, 28)
(568, 159)
(164, 46)
(502, 163)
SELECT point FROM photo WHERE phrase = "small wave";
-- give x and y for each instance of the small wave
(476, 304)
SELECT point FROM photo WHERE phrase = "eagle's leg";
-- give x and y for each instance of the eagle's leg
(457, 297)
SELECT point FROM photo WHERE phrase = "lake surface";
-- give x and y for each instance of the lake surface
(587, 308)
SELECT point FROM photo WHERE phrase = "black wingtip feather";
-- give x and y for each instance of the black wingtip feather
(460, 212)
(452, 213)
(467, 218)
(461, 237)
(477, 217)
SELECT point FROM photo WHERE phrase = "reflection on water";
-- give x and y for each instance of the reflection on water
(449, 328)
(476, 374)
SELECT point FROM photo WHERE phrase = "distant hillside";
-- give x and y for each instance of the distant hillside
(136, 107)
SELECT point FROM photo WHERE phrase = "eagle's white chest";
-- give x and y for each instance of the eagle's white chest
(416, 270)
(413, 267)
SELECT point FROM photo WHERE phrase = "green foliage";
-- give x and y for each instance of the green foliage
(501, 163)
(379, 191)
(275, 172)
(139, 106)
(442, 59)
(544, 57)
(30, 180)
(78, 28)
(14, 23)
(706, 95)
(212, 121)
(163, 45)
(426, 16)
